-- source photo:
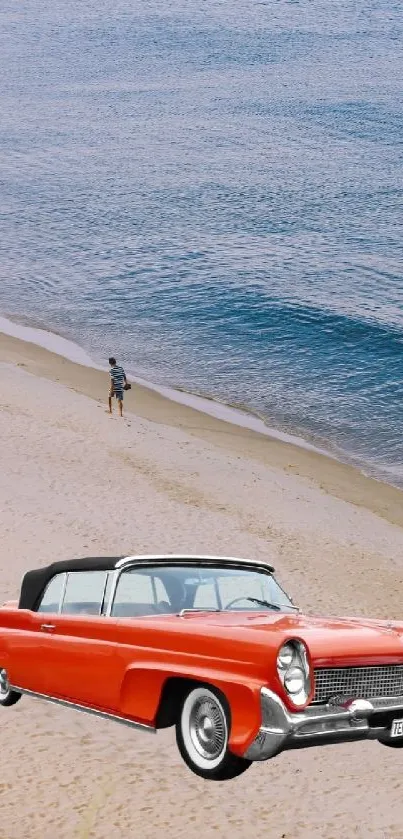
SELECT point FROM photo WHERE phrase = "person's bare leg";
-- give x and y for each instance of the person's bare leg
(120, 403)
(110, 404)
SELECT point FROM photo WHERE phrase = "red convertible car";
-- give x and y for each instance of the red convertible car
(210, 645)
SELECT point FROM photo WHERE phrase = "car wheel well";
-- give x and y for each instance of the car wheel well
(172, 697)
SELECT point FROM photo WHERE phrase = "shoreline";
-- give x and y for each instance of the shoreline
(28, 330)
(248, 437)
(233, 414)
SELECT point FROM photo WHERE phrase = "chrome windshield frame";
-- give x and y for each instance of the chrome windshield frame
(202, 560)
(193, 559)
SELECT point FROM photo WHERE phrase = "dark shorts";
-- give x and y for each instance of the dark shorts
(119, 395)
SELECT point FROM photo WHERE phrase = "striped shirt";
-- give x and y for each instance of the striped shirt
(117, 377)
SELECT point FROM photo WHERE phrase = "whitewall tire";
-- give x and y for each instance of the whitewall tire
(202, 732)
(7, 695)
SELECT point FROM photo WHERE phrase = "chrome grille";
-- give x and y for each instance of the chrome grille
(364, 682)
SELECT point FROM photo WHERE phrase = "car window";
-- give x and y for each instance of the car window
(217, 593)
(84, 593)
(206, 596)
(253, 585)
(167, 589)
(52, 595)
(160, 591)
(139, 594)
(230, 586)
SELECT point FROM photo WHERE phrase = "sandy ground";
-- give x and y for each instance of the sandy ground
(67, 470)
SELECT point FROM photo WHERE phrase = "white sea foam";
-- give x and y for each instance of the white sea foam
(48, 340)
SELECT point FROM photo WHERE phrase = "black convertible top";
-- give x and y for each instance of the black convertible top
(34, 582)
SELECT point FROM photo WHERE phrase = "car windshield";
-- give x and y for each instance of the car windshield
(173, 588)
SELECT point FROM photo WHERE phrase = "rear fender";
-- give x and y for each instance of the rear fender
(16, 629)
(143, 687)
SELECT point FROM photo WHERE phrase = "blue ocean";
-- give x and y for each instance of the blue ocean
(212, 191)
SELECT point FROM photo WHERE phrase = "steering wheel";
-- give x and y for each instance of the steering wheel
(236, 600)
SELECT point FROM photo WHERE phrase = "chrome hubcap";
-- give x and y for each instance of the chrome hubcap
(207, 728)
(4, 683)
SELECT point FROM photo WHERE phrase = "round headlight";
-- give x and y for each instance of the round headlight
(285, 656)
(294, 680)
(294, 671)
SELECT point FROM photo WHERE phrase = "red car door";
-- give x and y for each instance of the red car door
(79, 648)
(25, 637)
(80, 660)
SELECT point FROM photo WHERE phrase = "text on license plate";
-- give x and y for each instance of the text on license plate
(397, 728)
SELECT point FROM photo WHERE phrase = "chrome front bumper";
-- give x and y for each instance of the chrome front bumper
(356, 719)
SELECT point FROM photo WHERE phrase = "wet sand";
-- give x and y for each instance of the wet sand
(179, 480)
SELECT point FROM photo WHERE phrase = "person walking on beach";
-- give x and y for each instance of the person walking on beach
(118, 382)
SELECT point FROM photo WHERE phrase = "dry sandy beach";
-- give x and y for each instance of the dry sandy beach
(181, 481)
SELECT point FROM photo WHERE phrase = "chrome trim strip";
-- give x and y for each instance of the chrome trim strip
(63, 593)
(128, 560)
(115, 577)
(317, 725)
(102, 603)
(108, 576)
(387, 703)
(86, 710)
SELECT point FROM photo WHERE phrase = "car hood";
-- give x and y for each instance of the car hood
(328, 639)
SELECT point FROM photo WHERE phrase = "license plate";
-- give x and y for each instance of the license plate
(397, 728)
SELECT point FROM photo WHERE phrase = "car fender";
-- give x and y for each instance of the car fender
(143, 685)
(9, 624)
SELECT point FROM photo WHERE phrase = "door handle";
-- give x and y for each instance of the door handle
(47, 627)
